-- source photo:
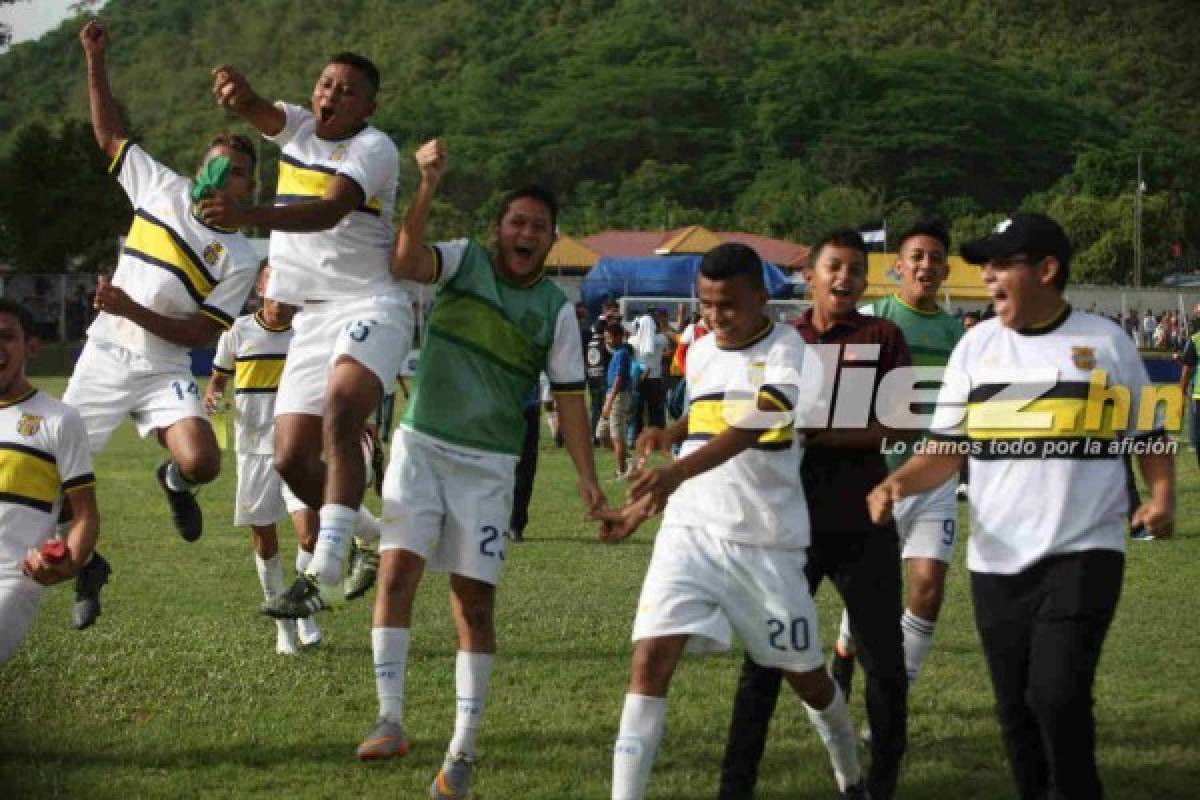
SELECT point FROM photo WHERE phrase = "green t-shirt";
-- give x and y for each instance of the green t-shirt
(486, 342)
(930, 335)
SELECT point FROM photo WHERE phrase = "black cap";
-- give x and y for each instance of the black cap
(1024, 232)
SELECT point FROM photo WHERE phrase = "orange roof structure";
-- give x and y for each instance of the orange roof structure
(569, 257)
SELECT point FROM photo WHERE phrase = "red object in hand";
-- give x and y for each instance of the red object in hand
(54, 551)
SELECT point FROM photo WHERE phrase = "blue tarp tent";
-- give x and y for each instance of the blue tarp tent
(661, 276)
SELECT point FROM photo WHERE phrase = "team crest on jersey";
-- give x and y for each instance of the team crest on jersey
(339, 153)
(29, 424)
(213, 253)
(1084, 357)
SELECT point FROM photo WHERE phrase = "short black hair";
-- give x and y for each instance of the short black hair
(22, 315)
(362, 64)
(732, 260)
(839, 237)
(927, 226)
(534, 191)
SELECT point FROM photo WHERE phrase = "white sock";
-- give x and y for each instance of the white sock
(642, 722)
(837, 732)
(337, 526)
(389, 647)
(303, 559)
(175, 480)
(285, 637)
(845, 640)
(270, 575)
(918, 638)
(472, 671)
(367, 526)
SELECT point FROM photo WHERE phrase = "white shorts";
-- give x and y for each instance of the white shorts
(375, 331)
(708, 587)
(449, 505)
(259, 491)
(19, 597)
(109, 382)
(928, 523)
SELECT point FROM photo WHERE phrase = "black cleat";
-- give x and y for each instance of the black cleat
(302, 599)
(841, 669)
(185, 511)
(88, 582)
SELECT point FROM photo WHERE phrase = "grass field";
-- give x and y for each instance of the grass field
(177, 691)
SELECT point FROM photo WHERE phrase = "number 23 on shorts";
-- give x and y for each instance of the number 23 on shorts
(492, 544)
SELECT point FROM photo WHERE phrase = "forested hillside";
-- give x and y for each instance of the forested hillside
(777, 117)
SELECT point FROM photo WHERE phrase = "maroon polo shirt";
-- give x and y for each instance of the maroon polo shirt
(837, 479)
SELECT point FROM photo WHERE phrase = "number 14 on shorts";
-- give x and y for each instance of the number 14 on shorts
(184, 388)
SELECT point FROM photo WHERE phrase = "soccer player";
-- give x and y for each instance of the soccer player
(331, 237)
(252, 353)
(44, 463)
(926, 524)
(496, 322)
(841, 464)
(730, 554)
(179, 282)
(1047, 503)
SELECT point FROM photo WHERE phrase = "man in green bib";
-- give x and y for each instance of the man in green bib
(496, 323)
(926, 523)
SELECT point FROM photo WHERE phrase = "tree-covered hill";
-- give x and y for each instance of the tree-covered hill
(777, 117)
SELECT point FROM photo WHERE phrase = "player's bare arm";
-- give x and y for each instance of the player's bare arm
(1157, 513)
(194, 330)
(80, 541)
(106, 119)
(411, 259)
(660, 440)
(660, 483)
(923, 472)
(222, 209)
(232, 91)
(577, 436)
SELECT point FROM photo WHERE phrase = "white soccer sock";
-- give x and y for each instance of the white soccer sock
(367, 527)
(270, 575)
(337, 526)
(845, 640)
(303, 559)
(642, 721)
(837, 732)
(390, 649)
(918, 638)
(175, 480)
(472, 671)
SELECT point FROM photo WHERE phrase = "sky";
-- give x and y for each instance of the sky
(29, 19)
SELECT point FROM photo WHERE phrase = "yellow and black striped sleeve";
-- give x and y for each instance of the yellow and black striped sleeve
(85, 481)
(118, 161)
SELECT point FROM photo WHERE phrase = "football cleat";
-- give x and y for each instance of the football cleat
(453, 780)
(185, 511)
(302, 599)
(364, 567)
(385, 740)
(91, 578)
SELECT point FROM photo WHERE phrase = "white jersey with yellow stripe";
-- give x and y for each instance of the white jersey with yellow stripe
(171, 262)
(253, 353)
(352, 258)
(43, 455)
(755, 497)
